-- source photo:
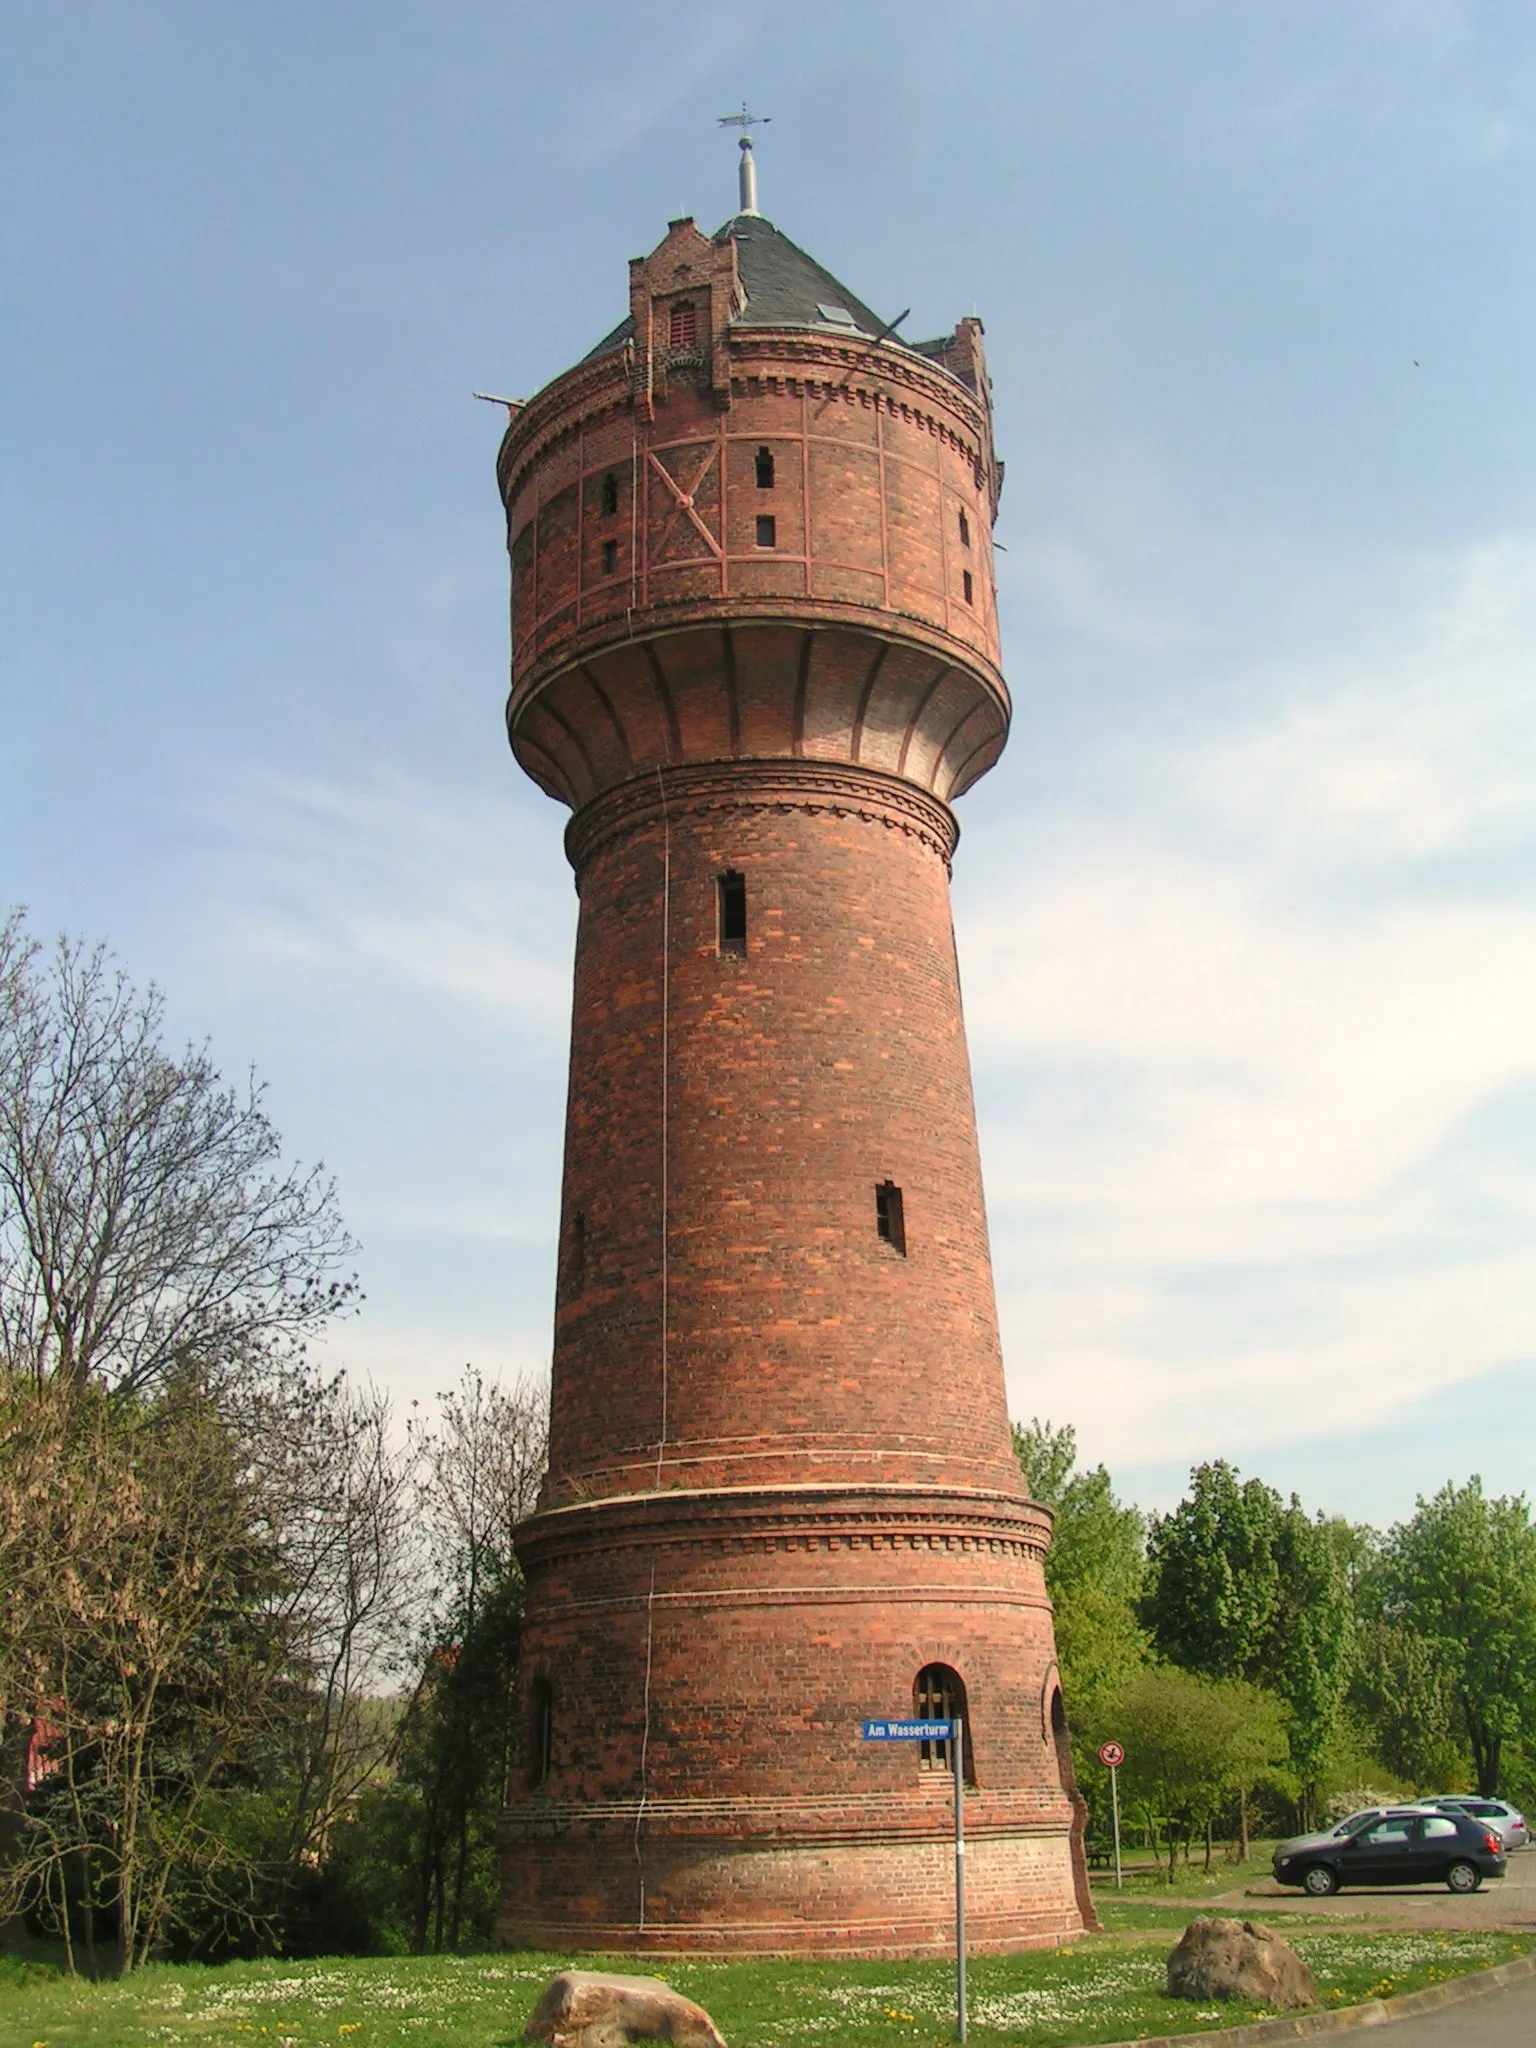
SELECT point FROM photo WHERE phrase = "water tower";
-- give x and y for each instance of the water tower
(755, 651)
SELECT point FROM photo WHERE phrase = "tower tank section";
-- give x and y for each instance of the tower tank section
(755, 650)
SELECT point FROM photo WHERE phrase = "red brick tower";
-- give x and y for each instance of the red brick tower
(755, 650)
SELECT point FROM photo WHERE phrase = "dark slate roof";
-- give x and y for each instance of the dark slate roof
(784, 288)
(610, 342)
(787, 288)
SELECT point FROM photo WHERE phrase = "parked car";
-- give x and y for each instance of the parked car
(1506, 1821)
(1404, 1845)
(1352, 1821)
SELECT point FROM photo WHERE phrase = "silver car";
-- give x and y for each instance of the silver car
(1506, 1821)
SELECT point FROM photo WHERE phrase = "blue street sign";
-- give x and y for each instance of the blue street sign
(908, 1731)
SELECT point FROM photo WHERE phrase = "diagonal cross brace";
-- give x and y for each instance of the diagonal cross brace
(684, 502)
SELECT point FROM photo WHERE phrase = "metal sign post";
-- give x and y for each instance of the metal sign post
(957, 1754)
(1112, 1756)
(952, 1732)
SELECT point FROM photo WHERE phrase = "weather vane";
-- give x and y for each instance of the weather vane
(745, 121)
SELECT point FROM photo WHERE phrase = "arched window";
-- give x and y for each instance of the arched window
(965, 531)
(682, 329)
(610, 493)
(765, 469)
(541, 1733)
(1061, 1742)
(938, 1694)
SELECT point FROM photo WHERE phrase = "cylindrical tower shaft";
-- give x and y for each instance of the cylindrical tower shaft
(774, 1237)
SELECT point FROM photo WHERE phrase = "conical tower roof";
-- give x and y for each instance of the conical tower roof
(785, 287)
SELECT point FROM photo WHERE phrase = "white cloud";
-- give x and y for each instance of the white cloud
(1425, 746)
(388, 881)
(1248, 1053)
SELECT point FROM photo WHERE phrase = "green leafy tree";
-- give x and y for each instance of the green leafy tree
(1193, 1746)
(1459, 1579)
(1405, 1693)
(1311, 1646)
(1214, 1582)
(1047, 1457)
(1242, 1586)
(1094, 1570)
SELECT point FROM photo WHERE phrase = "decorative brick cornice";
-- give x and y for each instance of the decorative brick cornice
(739, 1519)
(917, 1813)
(669, 617)
(555, 415)
(846, 792)
(875, 365)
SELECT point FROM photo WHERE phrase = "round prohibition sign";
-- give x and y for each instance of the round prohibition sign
(1112, 1754)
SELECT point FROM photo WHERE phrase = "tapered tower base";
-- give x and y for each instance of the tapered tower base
(665, 1617)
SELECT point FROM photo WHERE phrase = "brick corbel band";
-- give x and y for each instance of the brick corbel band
(826, 786)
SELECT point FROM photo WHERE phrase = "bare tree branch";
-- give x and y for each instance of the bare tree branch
(147, 1221)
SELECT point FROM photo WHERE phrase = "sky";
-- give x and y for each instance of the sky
(1246, 914)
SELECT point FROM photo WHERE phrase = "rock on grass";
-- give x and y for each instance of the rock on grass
(589, 2009)
(1237, 1959)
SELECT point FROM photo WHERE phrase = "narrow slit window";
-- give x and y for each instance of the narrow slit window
(610, 494)
(542, 1733)
(765, 469)
(890, 1222)
(965, 531)
(731, 890)
(683, 326)
(970, 588)
(767, 530)
(610, 558)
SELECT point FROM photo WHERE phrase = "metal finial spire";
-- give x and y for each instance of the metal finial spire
(745, 120)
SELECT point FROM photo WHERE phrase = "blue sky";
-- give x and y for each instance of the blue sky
(1247, 914)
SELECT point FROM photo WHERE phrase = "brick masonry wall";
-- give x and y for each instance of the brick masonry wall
(793, 1076)
(781, 1479)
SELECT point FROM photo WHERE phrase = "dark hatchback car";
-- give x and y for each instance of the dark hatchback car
(1405, 1845)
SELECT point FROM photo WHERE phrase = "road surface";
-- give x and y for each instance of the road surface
(1499, 2019)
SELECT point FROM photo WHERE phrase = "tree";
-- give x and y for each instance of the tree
(1213, 1580)
(1047, 1457)
(342, 1527)
(479, 1476)
(1243, 1587)
(200, 1601)
(1405, 1693)
(1094, 1569)
(137, 1643)
(147, 1224)
(1192, 1745)
(1311, 1645)
(1459, 1581)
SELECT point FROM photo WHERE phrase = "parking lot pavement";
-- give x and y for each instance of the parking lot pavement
(1508, 1901)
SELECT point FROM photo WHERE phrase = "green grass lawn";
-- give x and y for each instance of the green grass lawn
(1192, 1880)
(1100, 1988)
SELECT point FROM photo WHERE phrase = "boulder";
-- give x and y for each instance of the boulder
(588, 2009)
(1236, 1959)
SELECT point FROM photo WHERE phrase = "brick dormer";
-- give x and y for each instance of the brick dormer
(682, 298)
